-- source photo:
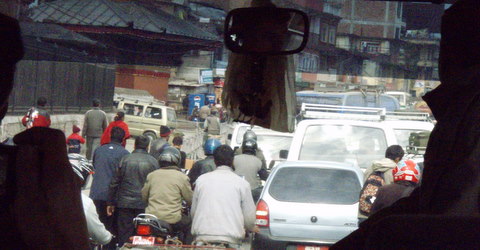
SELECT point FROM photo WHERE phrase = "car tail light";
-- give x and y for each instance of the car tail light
(144, 230)
(262, 218)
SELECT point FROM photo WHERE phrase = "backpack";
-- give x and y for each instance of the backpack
(369, 192)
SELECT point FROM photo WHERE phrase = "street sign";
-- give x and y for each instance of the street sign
(206, 76)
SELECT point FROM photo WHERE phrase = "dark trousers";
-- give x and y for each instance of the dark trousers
(184, 227)
(108, 221)
(125, 223)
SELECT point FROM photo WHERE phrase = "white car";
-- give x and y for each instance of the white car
(269, 141)
(307, 204)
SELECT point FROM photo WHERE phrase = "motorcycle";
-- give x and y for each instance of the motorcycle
(150, 231)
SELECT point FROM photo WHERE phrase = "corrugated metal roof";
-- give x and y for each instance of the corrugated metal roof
(116, 14)
(53, 32)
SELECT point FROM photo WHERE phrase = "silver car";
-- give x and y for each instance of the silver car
(308, 204)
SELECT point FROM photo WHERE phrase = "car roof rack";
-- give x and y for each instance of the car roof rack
(323, 111)
(135, 100)
(347, 87)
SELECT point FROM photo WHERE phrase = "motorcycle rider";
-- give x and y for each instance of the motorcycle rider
(125, 189)
(250, 167)
(406, 178)
(96, 230)
(249, 134)
(166, 189)
(222, 205)
(37, 116)
(206, 165)
(158, 145)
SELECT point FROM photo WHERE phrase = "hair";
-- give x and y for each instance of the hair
(141, 142)
(42, 101)
(393, 152)
(223, 156)
(177, 140)
(96, 102)
(119, 116)
(117, 134)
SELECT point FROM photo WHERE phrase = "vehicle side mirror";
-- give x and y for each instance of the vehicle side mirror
(283, 154)
(229, 136)
(266, 31)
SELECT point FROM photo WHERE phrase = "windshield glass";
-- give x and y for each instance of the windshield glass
(171, 116)
(272, 144)
(315, 185)
(343, 143)
(403, 135)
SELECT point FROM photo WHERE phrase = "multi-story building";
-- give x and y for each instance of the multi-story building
(372, 30)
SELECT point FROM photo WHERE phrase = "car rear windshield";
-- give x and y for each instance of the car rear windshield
(315, 185)
(343, 143)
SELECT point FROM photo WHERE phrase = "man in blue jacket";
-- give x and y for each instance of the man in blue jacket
(106, 160)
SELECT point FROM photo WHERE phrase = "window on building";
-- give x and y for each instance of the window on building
(332, 35)
(397, 33)
(371, 47)
(324, 33)
(399, 10)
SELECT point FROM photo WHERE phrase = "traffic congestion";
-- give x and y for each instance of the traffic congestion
(334, 124)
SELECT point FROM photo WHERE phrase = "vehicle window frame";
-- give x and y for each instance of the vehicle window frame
(151, 115)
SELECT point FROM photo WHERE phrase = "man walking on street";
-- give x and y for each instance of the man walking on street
(125, 192)
(106, 160)
(164, 191)
(222, 206)
(94, 124)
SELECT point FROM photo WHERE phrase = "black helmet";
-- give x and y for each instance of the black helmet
(249, 146)
(169, 156)
(249, 134)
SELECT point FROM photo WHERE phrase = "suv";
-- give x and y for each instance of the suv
(349, 134)
(145, 118)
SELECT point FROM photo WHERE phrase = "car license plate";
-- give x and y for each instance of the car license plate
(312, 248)
(145, 241)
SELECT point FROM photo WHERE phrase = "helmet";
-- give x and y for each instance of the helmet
(211, 145)
(406, 170)
(81, 166)
(249, 146)
(170, 156)
(249, 134)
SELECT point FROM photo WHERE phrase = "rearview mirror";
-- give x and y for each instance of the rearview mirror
(266, 31)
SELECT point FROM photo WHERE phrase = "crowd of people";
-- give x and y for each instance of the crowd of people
(213, 201)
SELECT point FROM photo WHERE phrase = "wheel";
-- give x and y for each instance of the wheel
(150, 136)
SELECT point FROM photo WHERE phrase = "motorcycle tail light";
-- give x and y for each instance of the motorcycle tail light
(144, 230)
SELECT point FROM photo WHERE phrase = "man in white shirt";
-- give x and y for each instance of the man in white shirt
(222, 206)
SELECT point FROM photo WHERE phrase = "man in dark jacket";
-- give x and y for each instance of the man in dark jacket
(106, 160)
(158, 145)
(125, 193)
(206, 165)
(94, 124)
(37, 116)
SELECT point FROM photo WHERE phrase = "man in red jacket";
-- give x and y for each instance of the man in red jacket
(37, 116)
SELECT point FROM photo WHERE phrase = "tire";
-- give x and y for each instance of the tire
(150, 135)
